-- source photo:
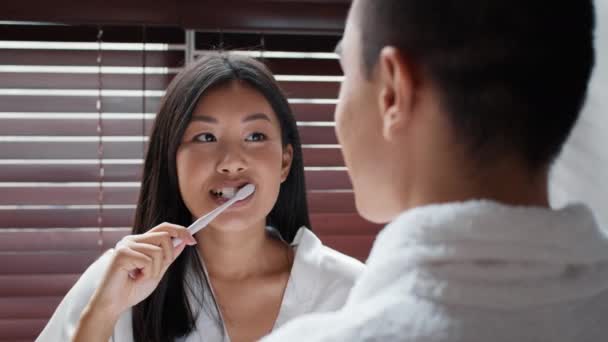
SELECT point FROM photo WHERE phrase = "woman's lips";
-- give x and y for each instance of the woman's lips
(221, 200)
(228, 188)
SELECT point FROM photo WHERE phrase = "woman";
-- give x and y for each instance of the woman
(222, 124)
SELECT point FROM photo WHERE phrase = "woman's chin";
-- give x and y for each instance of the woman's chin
(235, 222)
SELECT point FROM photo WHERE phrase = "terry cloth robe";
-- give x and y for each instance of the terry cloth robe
(320, 281)
(475, 272)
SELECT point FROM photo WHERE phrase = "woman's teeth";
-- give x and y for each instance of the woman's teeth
(227, 193)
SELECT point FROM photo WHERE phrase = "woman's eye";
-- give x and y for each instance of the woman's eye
(205, 137)
(256, 137)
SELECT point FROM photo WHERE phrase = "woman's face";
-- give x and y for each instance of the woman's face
(234, 138)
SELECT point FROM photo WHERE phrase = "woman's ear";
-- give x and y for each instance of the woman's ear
(286, 162)
(397, 91)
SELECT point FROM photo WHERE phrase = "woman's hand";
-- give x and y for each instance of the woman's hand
(137, 266)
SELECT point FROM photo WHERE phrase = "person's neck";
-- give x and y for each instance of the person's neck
(242, 254)
(441, 168)
(508, 182)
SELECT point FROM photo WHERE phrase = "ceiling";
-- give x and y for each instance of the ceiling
(294, 16)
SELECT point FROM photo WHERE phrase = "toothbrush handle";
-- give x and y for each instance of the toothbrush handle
(204, 220)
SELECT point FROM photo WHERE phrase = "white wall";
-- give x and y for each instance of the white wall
(581, 172)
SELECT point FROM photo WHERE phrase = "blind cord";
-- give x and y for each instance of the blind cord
(99, 107)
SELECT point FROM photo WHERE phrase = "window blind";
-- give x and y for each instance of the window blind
(76, 106)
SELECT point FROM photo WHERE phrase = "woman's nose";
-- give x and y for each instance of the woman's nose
(232, 161)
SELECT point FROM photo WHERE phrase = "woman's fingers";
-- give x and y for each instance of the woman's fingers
(144, 258)
(167, 227)
(152, 253)
(153, 238)
(164, 239)
(131, 260)
(165, 233)
(155, 253)
(167, 248)
(175, 231)
(147, 257)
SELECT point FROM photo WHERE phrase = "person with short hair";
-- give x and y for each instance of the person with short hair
(450, 116)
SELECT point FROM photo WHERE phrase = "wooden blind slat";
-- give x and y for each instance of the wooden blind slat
(74, 127)
(69, 150)
(28, 307)
(64, 218)
(59, 240)
(169, 59)
(84, 33)
(300, 66)
(66, 195)
(23, 285)
(21, 329)
(313, 112)
(84, 81)
(313, 90)
(69, 173)
(76, 104)
(46, 263)
(272, 42)
(325, 157)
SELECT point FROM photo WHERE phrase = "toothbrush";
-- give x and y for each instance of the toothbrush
(202, 222)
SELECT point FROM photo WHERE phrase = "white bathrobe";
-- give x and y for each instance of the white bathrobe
(475, 271)
(320, 281)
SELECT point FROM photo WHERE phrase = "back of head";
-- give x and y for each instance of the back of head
(511, 75)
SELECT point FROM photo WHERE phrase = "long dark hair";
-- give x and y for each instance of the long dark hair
(168, 312)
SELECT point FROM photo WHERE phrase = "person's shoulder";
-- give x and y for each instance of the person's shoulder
(340, 264)
(370, 320)
(323, 276)
(329, 263)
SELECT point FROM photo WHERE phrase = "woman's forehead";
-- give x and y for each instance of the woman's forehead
(233, 101)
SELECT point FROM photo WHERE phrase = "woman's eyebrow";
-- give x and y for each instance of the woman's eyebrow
(257, 116)
(212, 120)
(205, 118)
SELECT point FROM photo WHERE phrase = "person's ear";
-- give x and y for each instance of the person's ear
(397, 87)
(286, 162)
